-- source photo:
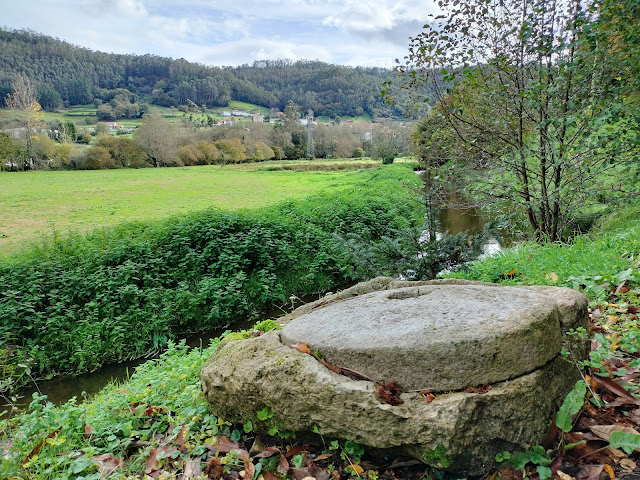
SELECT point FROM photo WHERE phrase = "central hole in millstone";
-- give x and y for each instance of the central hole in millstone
(436, 337)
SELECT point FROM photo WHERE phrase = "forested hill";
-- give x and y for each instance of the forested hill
(66, 74)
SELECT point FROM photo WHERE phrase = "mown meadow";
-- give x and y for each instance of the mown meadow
(38, 204)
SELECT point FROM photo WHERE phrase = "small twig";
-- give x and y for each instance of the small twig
(591, 453)
(351, 465)
(619, 189)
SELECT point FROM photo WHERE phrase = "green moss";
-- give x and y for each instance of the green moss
(266, 325)
(233, 336)
(437, 457)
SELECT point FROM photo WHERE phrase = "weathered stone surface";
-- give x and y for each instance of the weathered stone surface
(436, 337)
(458, 431)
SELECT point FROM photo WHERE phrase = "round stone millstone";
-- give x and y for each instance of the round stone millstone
(435, 337)
(459, 431)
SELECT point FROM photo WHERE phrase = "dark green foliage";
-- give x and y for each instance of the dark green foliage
(49, 99)
(122, 292)
(406, 253)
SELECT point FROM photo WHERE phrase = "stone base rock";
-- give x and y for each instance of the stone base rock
(457, 431)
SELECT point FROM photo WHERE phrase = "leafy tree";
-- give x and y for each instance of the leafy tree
(158, 138)
(278, 152)
(98, 158)
(49, 99)
(124, 152)
(102, 129)
(23, 100)
(512, 82)
(231, 150)
(358, 153)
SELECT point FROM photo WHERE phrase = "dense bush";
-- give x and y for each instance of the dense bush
(122, 292)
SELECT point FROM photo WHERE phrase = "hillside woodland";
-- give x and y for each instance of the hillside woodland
(65, 74)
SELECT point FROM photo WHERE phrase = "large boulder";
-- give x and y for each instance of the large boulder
(440, 336)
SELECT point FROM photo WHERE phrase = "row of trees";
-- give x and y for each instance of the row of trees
(71, 75)
(158, 142)
(535, 103)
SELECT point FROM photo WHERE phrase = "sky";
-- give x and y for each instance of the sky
(231, 32)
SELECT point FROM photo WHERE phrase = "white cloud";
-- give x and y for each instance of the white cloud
(393, 22)
(231, 32)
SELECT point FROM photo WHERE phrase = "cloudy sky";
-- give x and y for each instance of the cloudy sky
(230, 32)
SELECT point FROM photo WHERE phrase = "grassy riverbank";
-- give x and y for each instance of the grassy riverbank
(588, 260)
(158, 422)
(122, 292)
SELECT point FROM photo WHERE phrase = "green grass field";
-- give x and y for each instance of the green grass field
(35, 204)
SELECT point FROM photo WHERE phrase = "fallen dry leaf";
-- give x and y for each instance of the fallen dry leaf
(302, 348)
(224, 445)
(589, 472)
(299, 449)
(390, 393)
(180, 438)
(299, 473)
(564, 476)
(628, 464)
(324, 456)
(88, 430)
(152, 461)
(616, 389)
(108, 464)
(248, 464)
(267, 452)
(616, 453)
(192, 468)
(270, 476)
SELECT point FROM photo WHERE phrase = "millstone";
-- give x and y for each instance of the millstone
(443, 336)
(436, 337)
